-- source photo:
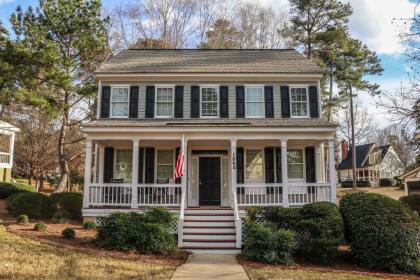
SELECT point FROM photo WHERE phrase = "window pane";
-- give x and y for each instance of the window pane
(123, 165)
(164, 109)
(120, 94)
(209, 109)
(294, 156)
(164, 94)
(295, 164)
(165, 165)
(208, 94)
(165, 157)
(254, 166)
(254, 109)
(295, 171)
(4, 143)
(254, 94)
(299, 109)
(209, 102)
(119, 109)
(299, 102)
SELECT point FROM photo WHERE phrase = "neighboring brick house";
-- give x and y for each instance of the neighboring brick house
(372, 163)
(249, 122)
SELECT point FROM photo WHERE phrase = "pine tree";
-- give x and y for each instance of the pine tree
(223, 35)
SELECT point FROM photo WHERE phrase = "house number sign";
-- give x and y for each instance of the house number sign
(233, 160)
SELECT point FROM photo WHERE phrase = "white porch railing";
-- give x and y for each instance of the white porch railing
(159, 195)
(110, 194)
(4, 157)
(259, 194)
(304, 193)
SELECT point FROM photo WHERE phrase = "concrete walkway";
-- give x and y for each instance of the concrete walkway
(210, 267)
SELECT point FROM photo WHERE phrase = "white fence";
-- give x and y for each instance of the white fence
(110, 194)
(304, 193)
(4, 157)
(159, 194)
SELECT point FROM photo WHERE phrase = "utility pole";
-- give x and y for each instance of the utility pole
(353, 140)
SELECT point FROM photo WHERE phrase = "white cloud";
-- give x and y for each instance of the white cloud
(3, 2)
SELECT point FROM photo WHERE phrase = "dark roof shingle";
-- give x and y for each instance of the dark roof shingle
(362, 152)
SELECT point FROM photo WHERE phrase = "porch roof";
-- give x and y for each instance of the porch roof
(273, 123)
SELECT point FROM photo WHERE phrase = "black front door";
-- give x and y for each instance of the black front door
(209, 181)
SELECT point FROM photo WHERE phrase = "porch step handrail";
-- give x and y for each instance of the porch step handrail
(238, 222)
(181, 219)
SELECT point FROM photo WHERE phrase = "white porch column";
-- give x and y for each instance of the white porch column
(233, 170)
(11, 149)
(88, 173)
(101, 164)
(284, 177)
(135, 173)
(331, 163)
(318, 164)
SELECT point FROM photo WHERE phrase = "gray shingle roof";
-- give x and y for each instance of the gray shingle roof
(310, 122)
(209, 61)
(362, 151)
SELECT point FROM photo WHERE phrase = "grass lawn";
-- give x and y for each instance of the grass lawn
(22, 258)
(393, 192)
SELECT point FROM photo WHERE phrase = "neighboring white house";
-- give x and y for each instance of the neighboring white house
(249, 122)
(372, 163)
(7, 140)
(412, 181)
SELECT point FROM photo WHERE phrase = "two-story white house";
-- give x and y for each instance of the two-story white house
(249, 123)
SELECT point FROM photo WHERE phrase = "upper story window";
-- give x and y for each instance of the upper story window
(209, 102)
(299, 101)
(119, 102)
(164, 102)
(254, 102)
(254, 166)
(5, 148)
(164, 166)
(295, 164)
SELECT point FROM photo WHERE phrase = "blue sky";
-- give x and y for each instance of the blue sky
(371, 22)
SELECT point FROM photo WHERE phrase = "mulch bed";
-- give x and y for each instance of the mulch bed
(83, 241)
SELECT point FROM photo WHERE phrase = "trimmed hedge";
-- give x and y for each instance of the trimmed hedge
(40, 226)
(387, 182)
(412, 201)
(281, 218)
(383, 233)
(71, 202)
(8, 189)
(69, 233)
(89, 225)
(359, 183)
(265, 243)
(321, 231)
(146, 233)
(35, 205)
(22, 219)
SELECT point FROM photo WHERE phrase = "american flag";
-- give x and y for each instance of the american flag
(179, 167)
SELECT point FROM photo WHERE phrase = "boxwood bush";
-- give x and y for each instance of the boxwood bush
(281, 218)
(71, 202)
(40, 226)
(35, 205)
(22, 219)
(359, 183)
(387, 182)
(265, 243)
(412, 201)
(146, 233)
(69, 233)
(8, 189)
(383, 233)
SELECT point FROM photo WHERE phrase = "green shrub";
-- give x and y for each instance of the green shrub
(70, 202)
(321, 231)
(383, 233)
(412, 201)
(399, 182)
(387, 182)
(68, 233)
(89, 225)
(40, 226)
(35, 205)
(359, 183)
(265, 243)
(281, 218)
(22, 219)
(159, 215)
(61, 217)
(8, 189)
(137, 232)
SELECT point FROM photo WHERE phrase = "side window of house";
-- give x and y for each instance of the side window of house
(209, 101)
(119, 102)
(254, 102)
(254, 166)
(164, 102)
(295, 164)
(299, 101)
(123, 165)
(164, 166)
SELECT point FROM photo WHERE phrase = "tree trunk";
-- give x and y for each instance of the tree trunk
(353, 140)
(330, 96)
(30, 180)
(41, 181)
(62, 159)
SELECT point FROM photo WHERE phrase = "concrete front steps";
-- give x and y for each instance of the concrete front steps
(209, 231)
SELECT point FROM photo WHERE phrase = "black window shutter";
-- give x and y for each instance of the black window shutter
(178, 180)
(195, 101)
(224, 101)
(179, 101)
(310, 164)
(141, 167)
(313, 102)
(105, 101)
(133, 111)
(278, 165)
(150, 166)
(269, 165)
(240, 165)
(150, 101)
(240, 101)
(269, 104)
(108, 164)
(285, 102)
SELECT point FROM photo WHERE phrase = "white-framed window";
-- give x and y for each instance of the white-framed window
(254, 101)
(164, 102)
(119, 101)
(123, 167)
(295, 164)
(299, 101)
(165, 160)
(209, 101)
(254, 166)
(5, 147)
